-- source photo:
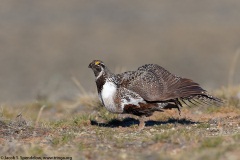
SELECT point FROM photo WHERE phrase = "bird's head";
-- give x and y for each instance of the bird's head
(98, 68)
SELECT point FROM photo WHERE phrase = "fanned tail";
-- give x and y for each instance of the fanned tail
(187, 92)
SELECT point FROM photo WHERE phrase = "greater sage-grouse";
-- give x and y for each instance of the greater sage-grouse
(150, 88)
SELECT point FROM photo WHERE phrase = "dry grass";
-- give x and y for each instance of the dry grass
(85, 130)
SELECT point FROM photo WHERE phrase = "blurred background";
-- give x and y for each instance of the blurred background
(43, 44)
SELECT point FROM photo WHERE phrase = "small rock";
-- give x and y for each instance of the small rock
(152, 130)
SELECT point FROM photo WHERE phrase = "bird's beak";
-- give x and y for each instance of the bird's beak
(90, 65)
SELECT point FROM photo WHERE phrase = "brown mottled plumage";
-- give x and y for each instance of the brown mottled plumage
(148, 89)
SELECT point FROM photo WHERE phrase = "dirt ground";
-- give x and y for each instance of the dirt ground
(85, 130)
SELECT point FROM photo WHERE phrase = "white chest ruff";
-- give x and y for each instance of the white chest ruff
(107, 96)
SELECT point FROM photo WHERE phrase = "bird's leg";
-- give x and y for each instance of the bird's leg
(141, 123)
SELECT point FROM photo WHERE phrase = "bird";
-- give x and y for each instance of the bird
(148, 89)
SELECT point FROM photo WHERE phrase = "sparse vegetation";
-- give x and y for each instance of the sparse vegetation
(211, 142)
(85, 130)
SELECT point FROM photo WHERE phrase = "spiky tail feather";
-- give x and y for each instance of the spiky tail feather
(201, 99)
(204, 98)
(185, 90)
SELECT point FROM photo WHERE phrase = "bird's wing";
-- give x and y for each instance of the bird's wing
(154, 83)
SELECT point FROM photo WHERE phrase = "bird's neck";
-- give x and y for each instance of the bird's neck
(102, 78)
